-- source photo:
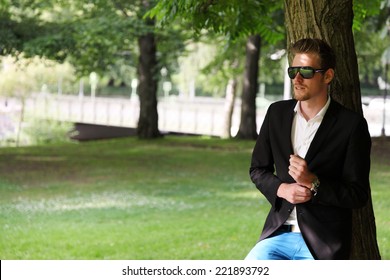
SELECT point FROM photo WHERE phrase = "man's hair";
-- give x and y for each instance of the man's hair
(316, 46)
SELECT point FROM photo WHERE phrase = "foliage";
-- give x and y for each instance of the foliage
(227, 63)
(233, 18)
(22, 76)
(370, 46)
(38, 132)
(216, 16)
(371, 38)
(17, 79)
(80, 32)
(42, 132)
(14, 27)
(190, 67)
(225, 25)
(363, 9)
(92, 36)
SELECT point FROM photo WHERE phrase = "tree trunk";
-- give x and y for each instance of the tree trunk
(331, 20)
(21, 120)
(147, 87)
(229, 107)
(248, 129)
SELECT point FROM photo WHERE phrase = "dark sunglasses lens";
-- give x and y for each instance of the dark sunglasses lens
(292, 72)
(307, 73)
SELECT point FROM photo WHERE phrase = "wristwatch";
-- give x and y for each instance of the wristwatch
(314, 186)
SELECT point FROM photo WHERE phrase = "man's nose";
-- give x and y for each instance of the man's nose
(298, 76)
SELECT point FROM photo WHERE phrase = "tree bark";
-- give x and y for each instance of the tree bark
(147, 87)
(331, 20)
(248, 129)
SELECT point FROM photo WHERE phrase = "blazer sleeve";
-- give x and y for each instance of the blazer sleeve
(262, 164)
(349, 187)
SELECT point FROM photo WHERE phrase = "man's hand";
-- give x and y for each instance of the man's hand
(294, 193)
(299, 171)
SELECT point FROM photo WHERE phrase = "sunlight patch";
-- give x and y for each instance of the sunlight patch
(250, 194)
(104, 200)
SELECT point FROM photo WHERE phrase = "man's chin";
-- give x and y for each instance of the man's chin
(300, 96)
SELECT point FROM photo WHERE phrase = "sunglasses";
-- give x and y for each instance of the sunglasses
(306, 72)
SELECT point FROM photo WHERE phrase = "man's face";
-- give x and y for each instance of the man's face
(305, 89)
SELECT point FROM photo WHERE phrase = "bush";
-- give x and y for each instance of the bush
(39, 132)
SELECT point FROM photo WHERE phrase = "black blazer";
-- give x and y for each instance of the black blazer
(339, 155)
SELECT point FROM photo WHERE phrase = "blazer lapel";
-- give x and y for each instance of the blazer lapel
(323, 131)
(287, 127)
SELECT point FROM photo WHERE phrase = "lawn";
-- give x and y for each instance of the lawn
(170, 198)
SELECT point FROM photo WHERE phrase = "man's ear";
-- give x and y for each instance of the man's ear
(329, 75)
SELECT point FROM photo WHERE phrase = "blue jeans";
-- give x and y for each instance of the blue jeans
(281, 246)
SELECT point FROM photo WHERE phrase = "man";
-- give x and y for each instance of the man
(311, 161)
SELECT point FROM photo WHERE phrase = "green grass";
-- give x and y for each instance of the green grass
(380, 191)
(171, 198)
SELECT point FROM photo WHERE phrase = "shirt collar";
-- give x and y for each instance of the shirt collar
(321, 113)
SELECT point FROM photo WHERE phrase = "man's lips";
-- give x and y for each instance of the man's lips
(299, 87)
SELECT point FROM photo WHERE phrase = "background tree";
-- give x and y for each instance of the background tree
(332, 20)
(248, 128)
(94, 36)
(223, 74)
(147, 74)
(258, 21)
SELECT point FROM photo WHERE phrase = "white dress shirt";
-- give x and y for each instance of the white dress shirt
(302, 134)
